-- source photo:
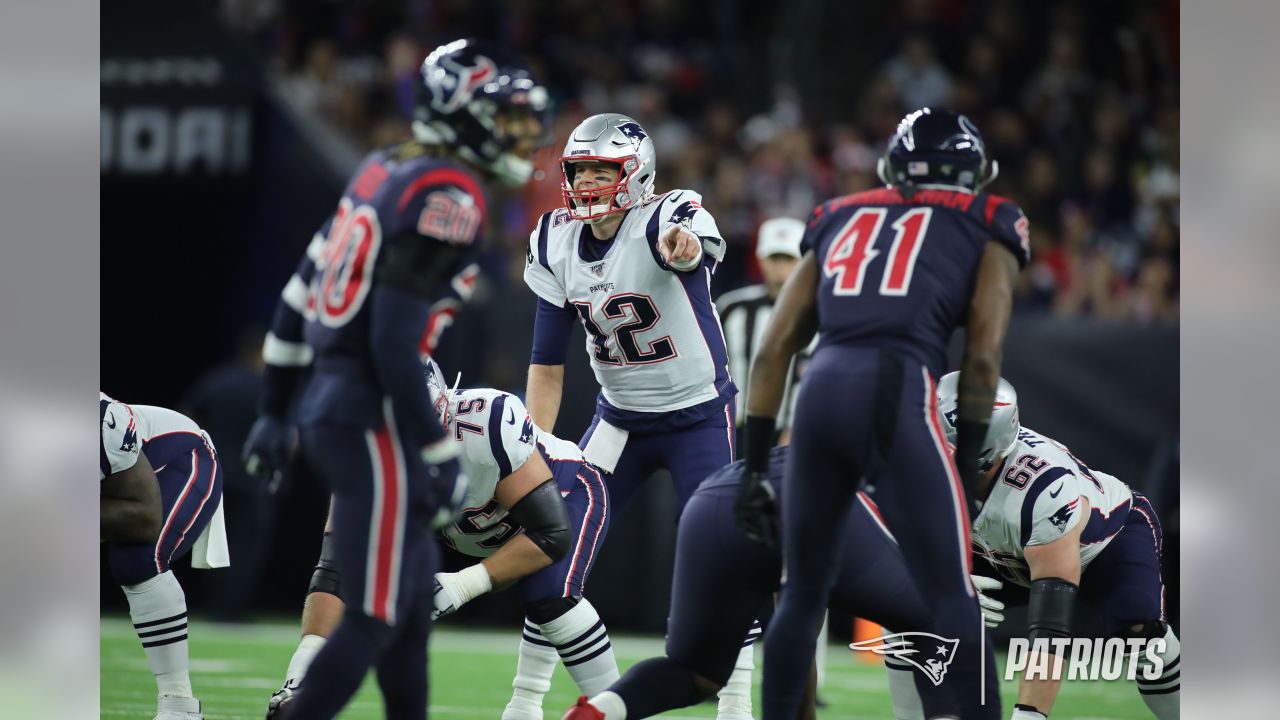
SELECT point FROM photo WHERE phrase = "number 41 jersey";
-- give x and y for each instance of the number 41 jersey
(897, 272)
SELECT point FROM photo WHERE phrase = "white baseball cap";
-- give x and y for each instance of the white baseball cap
(779, 236)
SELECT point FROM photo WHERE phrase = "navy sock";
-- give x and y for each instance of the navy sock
(655, 686)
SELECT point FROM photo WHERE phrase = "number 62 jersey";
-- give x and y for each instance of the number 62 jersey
(1037, 497)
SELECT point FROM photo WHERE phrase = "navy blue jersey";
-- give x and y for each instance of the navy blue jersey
(401, 207)
(898, 272)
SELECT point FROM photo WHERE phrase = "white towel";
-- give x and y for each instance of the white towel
(210, 549)
(605, 446)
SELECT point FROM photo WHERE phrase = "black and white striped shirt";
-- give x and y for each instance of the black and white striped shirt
(744, 315)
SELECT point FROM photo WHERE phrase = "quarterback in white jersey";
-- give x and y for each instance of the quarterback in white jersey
(1051, 524)
(635, 269)
(157, 446)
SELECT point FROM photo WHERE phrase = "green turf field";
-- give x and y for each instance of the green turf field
(236, 668)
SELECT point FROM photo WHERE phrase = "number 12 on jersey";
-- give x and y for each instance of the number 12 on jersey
(852, 250)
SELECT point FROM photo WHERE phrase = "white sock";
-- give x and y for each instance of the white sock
(735, 696)
(1162, 694)
(820, 653)
(158, 608)
(902, 691)
(583, 643)
(610, 703)
(534, 668)
(301, 660)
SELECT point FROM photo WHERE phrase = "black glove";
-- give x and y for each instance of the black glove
(268, 447)
(756, 509)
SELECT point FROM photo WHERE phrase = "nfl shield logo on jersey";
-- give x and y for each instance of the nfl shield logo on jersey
(930, 654)
(598, 269)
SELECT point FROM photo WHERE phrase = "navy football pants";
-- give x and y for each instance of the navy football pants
(883, 422)
(1124, 580)
(587, 501)
(190, 477)
(723, 582)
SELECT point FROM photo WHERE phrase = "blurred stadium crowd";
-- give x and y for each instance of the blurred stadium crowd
(1080, 108)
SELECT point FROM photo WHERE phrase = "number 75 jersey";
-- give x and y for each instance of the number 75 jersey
(898, 272)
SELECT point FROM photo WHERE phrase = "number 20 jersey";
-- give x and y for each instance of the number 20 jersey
(399, 204)
(1036, 499)
(897, 272)
(653, 335)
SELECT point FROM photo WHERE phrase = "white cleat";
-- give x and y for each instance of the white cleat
(281, 697)
(178, 708)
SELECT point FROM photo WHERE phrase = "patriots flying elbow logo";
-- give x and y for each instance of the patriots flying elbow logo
(130, 440)
(1063, 515)
(634, 132)
(930, 654)
(683, 215)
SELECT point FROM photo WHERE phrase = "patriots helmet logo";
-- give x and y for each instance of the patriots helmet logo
(930, 654)
(526, 430)
(633, 131)
(683, 214)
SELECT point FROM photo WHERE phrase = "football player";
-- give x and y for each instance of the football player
(635, 269)
(405, 225)
(723, 581)
(514, 517)
(887, 276)
(1051, 524)
(161, 499)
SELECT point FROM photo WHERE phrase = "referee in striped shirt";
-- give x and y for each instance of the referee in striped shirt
(745, 313)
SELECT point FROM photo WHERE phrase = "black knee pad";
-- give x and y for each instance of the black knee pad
(548, 609)
(325, 579)
(1148, 630)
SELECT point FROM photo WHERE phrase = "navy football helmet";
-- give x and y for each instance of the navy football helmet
(936, 147)
(463, 88)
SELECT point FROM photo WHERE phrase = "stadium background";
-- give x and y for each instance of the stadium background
(229, 128)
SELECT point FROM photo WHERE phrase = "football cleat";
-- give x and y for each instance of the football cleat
(178, 708)
(584, 710)
(281, 697)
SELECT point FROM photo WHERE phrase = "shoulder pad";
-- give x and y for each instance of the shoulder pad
(1008, 225)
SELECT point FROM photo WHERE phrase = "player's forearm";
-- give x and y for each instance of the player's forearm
(516, 559)
(398, 319)
(543, 393)
(987, 322)
(792, 327)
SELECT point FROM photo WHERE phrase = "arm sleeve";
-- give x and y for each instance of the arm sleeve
(537, 267)
(1053, 515)
(551, 328)
(1009, 227)
(396, 331)
(284, 352)
(120, 446)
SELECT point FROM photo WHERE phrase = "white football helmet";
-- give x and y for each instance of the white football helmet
(1002, 434)
(612, 138)
(438, 389)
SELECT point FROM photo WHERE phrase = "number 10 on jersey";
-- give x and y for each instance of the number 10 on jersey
(852, 251)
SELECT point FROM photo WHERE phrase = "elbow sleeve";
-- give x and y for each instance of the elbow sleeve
(1052, 604)
(545, 520)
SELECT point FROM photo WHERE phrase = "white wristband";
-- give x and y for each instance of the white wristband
(687, 265)
(473, 582)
